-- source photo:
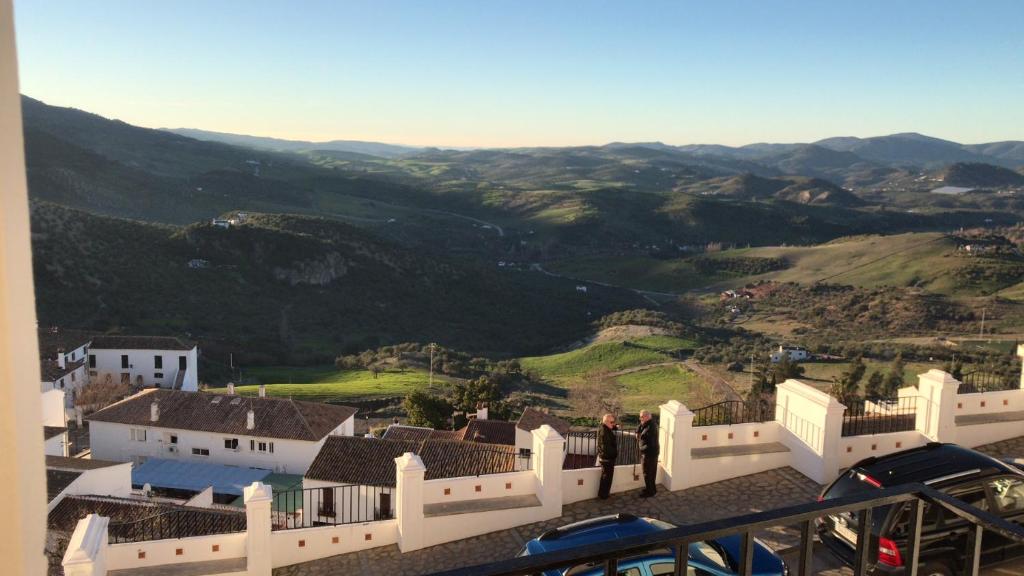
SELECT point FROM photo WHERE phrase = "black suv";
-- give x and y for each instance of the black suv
(970, 476)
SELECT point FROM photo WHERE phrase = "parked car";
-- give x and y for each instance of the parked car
(711, 558)
(970, 476)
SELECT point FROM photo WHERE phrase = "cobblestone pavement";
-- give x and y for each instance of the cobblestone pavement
(743, 495)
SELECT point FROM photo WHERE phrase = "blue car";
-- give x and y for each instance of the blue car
(718, 557)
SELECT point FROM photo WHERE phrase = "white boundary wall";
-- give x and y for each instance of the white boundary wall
(164, 552)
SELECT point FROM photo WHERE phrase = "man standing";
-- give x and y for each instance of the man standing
(607, 452)
(647, 439)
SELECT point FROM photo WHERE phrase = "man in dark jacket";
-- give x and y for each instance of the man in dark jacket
(607, 452)
(647, 440)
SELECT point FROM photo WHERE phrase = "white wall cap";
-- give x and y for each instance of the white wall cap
(86, 540)
(257, 492)
(808, 392)
(410, 462)
(545, 433)
(676, 408)
(937, 376)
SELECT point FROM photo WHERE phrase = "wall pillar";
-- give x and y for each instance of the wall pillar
(937, 405)
(258, 498)
(87, 550)
(548, 455)
(410, 473)
(812, 428)
(674, 426)
(1020, 354)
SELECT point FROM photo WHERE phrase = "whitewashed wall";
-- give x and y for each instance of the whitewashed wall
(108, 481)
(56, 445)
(479, 487)
(990, 402)
(53, 408)
(582, 484)
(302, 545)
(165, 552)
(856, 448)
(142, 363)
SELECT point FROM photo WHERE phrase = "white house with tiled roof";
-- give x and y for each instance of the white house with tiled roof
(145, 361)
(271, 433)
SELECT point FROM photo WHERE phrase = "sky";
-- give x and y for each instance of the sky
(495, 73)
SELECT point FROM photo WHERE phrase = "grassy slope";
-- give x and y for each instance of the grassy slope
(651, 388)
(605, 357)
(324, 382)
(641, 272)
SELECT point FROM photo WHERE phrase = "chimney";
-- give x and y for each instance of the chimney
(250, 420)
(60, 358)
(263, 391)
(231, 388)
(481, 411)
(154, 412)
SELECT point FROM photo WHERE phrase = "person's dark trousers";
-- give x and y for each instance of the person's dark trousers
(649, 463)
(607, 472)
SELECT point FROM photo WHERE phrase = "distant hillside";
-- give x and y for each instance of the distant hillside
(904, 149)
(287, 289)
(377, 149)
(980, 175)
(794, 189)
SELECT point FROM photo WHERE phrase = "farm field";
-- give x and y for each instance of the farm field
(326, 382)
(652, 387)
(603, 357)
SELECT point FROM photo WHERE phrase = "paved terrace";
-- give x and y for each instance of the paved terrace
(743, 495)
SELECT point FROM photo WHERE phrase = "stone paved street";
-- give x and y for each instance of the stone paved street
(743, 495)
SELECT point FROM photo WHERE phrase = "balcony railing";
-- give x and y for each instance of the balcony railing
(734, 412)
(609, 553)
(980, 381)
(864, 417)
(177, 523)
(331, 506)
(581, 449)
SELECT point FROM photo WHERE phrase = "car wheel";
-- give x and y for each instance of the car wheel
(935, 569)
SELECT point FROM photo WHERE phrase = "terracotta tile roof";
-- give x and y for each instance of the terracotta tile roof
(419, 434)
(51, 431)
(491, 432)
(65, 339)
(57, 481)
(196, 521)
(65, 463)
(459, 434)
(225, 414)
(531, 419)
(50, 371)
(371, 461)
(141, 343)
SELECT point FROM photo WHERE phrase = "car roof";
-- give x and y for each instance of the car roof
(929, 463)
(600, 529)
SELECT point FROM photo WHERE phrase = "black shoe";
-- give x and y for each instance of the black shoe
(646, 494)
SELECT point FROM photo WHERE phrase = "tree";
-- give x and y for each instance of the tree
(955, 368)
(875, 388)
(786, 368)
(764, 378)
(375, 369)
(97, 394)
(595, 396)
(425, 409)
(894, 379)
(846, 386)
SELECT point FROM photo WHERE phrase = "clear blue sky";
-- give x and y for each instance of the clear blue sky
(497, 73)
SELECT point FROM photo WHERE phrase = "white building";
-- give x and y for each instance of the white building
(55, 431)
(144, 361)
(270, 433)
(796, 353)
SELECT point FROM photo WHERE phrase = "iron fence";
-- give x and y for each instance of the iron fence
(177, 523)
(735, 412)
(978, 525)
(865, 417)
(331, 506)
(980, 381)
(581, 449)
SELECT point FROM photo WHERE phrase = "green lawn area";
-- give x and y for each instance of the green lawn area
(605, 357)
(651, 388)
(821, 373)
(323, 382)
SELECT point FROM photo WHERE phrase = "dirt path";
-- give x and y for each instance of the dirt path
(720, 386)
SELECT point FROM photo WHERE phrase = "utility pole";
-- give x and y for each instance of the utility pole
(432, 346)
(981, 333)
(751, 371)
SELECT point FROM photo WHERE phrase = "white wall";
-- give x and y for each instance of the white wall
(142, 363)
(70, 383)
(53, 408)
(990, 402)
(856, 448)
(162, 552)
(491, 486)
(108, 481)
(319, 542)
(442, 529)
(57, 445)
(111, 441)
(626, 478)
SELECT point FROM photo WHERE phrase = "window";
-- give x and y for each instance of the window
(61, 382)
(1009, 494)
(72, 376)
(182, 362)
(252, 445)
(200, 451)
(158, 375)
(174, 438)
(670, 568)
(158, 362)
(124, 360)
(92, 360)
(138, 434)
(973, 494)
(231, 443)
(524, 453)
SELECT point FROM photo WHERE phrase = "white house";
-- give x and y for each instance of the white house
(270, 433)
(796, 353)
(64, 375)
(81, 476)
(144, 361)
(55, 431)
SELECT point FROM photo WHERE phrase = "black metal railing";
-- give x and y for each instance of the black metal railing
(609, 553)
(581, 449)
(331, 506)
(735, 412)
(178, 523)
(980, 381)
(865, 417)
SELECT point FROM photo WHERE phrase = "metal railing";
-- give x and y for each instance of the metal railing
(980, 381)
(865, 417)
(581, 449)
(331, 506)
(734, 412)
(609, 553)
(178, 523)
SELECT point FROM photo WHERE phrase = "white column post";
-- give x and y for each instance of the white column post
(548, 455)
(87, 550)
(812, 426)
(1020, 354)
(258, 498)
(410, 473)
(831, 439)
(938, 402)
(674, 426)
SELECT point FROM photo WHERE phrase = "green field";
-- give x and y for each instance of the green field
(655, 386)
(640, 272)
(326, 382)
(822, 373)
(606, 357)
